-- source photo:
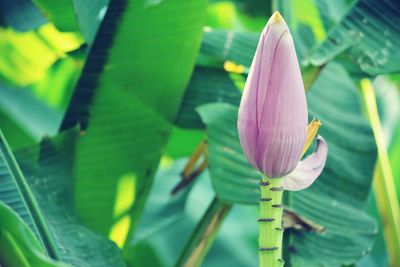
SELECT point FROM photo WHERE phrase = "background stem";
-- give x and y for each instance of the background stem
(383, 183)
(204, 234)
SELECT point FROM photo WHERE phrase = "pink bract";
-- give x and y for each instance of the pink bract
(272, 119)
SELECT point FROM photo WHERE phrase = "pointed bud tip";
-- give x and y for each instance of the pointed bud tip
(276, 18)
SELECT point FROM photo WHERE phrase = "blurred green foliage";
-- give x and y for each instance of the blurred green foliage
(102, 104)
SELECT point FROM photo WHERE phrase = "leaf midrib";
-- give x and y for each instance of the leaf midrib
(28, 199)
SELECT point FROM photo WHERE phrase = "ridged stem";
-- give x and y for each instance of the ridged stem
(287, 200)
(270, 223)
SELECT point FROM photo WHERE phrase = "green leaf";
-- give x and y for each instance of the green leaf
(183, 142)
(49, 171)
(34, 117)
(307, 13)
(206, 86)
(55, 89)
(60, 13)
(223, 45)
(177, 216)
(332, 12)
(131, 86)
(44, 189)
(305, 23)
(18, 137)
(303, 14)
(161, 206)
(28, 114)
(378, 255)
(350, 232)
(255, 8)
(374, 51)
(16, 193)
(91, 13)
(338, 194)
(352, 148)
(22, 15)
(219, 46)
(26, 57)
(238, 14)
(221, 15)
(18, 245)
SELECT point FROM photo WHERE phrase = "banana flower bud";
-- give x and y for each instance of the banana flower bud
(272, 119)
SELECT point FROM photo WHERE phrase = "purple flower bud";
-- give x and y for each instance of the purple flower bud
(272, 121)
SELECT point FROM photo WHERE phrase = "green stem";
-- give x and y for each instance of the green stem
(288, 236)
(383, 183)
(204, 234)
(270, 223)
